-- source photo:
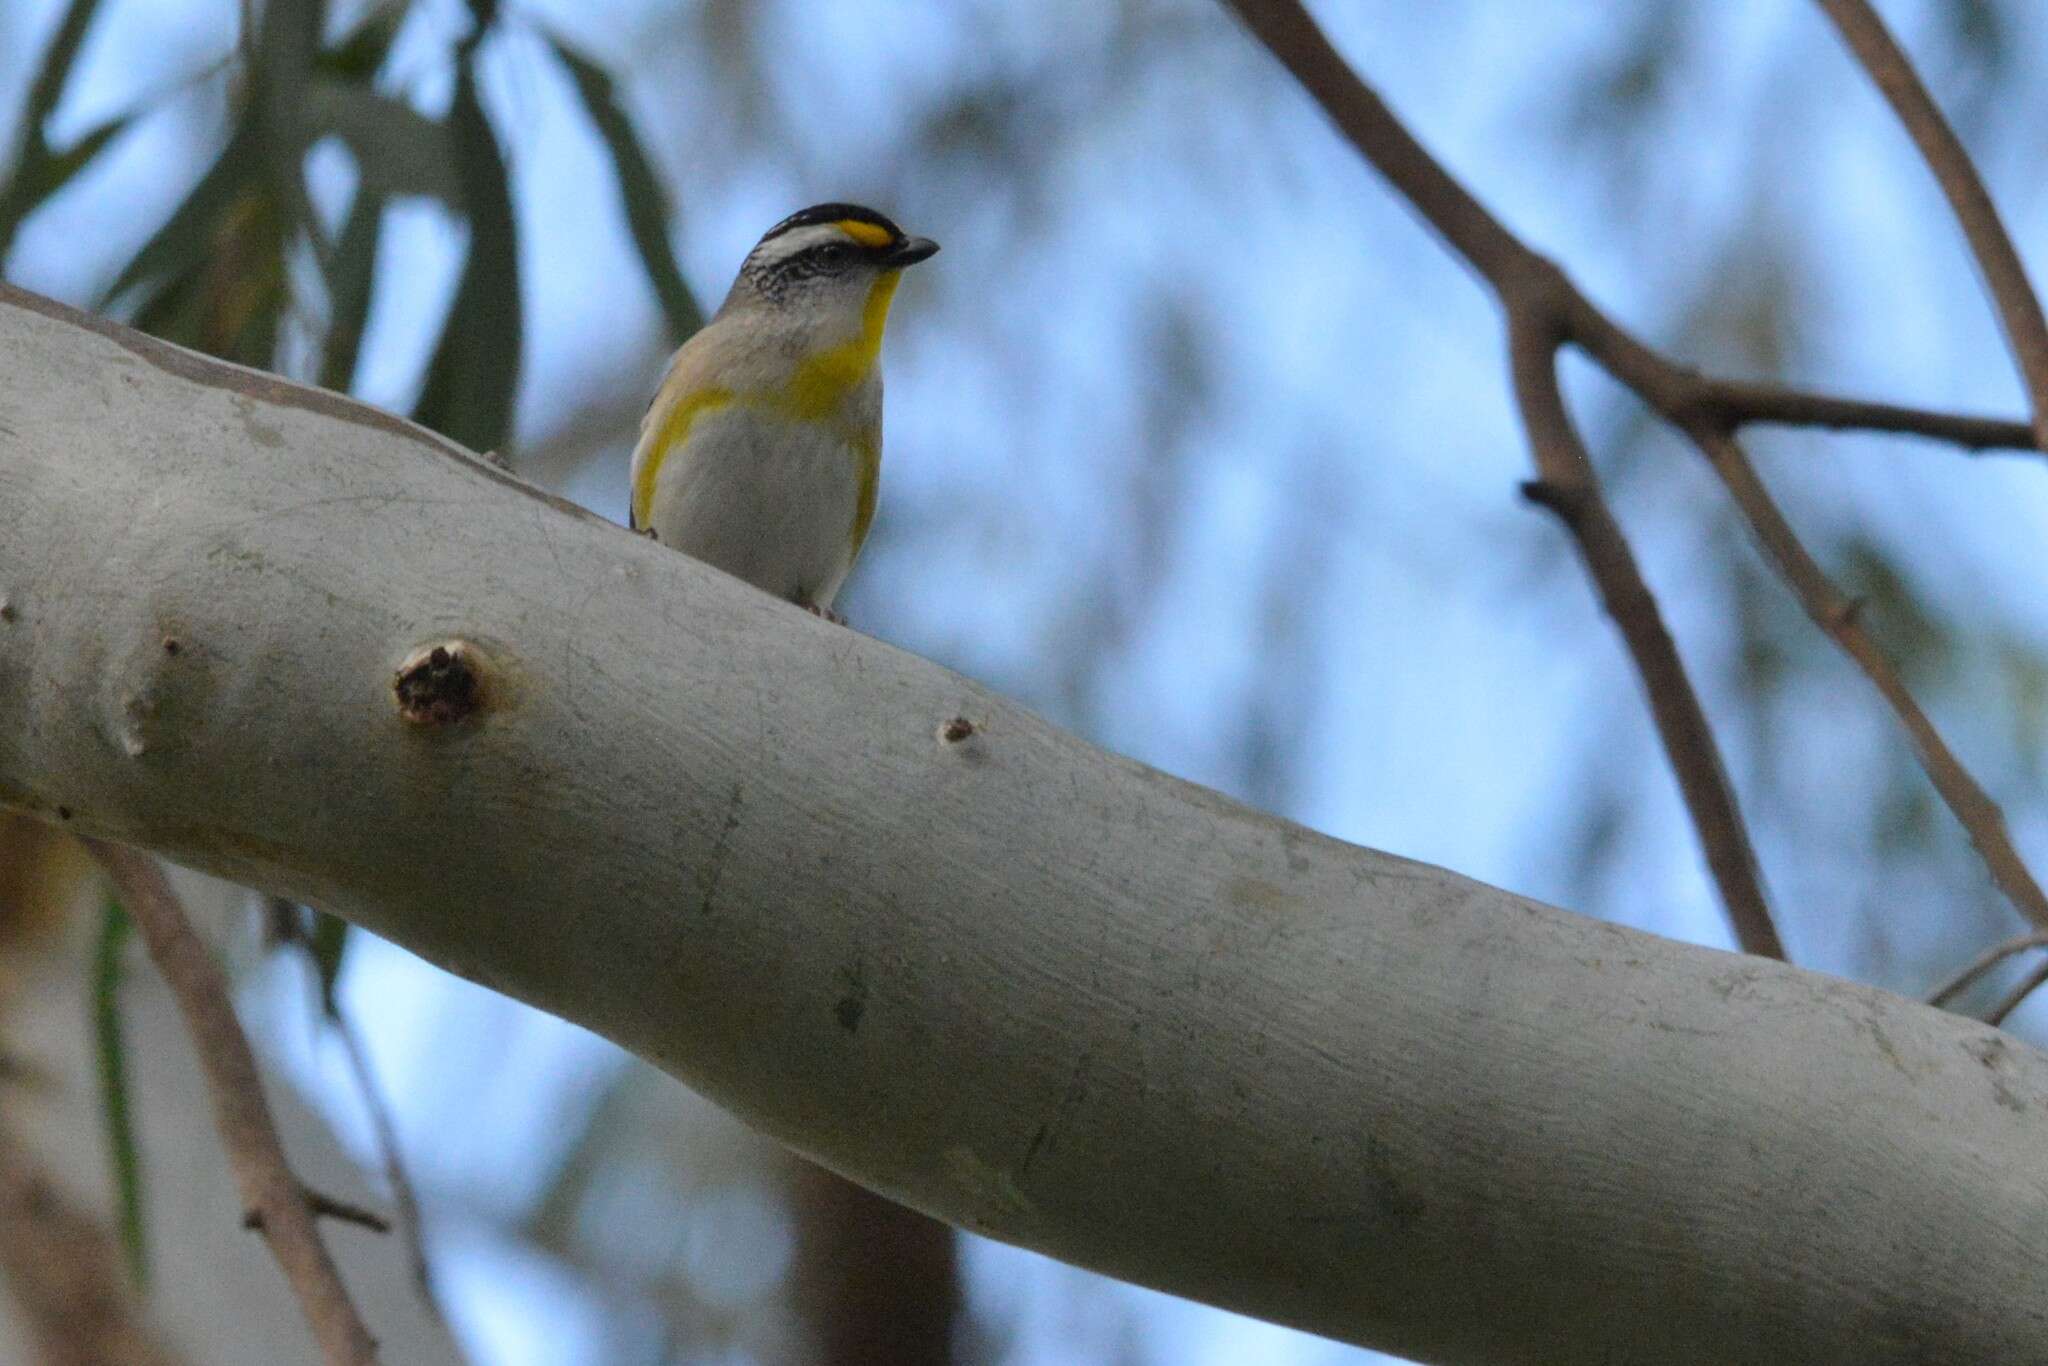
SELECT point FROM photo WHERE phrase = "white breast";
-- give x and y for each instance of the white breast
(765, 497)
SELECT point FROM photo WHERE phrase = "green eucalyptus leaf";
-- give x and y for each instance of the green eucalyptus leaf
(474, 374)
(55, 72)
(351, 276)
(289, 42)
(360, 54)
(647, 208)
(328, 944)
(110, 1048)
(37, 174)
(38, 180)
(182, 243)
(59, 169)
(231, 301)
(397, 149)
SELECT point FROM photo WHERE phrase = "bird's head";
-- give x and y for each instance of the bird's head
(835, 263)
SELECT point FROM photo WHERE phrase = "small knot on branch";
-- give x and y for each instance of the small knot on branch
(439, 685)
(954, 731)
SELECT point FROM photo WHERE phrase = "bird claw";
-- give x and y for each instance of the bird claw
(825, 612)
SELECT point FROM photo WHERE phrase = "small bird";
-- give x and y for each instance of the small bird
(762, 450)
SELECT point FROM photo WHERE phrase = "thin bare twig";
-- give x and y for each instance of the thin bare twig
(287, 925)
(1983, 963)
(1539, 296)
(2005, 276)
(395, 1173)
(1568, 487)
(1837, 615)
(269, 1191)
(2026, 988)
(1737, 403)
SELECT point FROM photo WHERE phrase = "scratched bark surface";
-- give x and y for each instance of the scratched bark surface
(1019, 983)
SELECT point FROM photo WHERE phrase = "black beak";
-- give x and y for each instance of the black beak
(909, 251)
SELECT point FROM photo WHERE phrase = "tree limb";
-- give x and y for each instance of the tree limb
(272, 1198)
(2005, 276)
(1024, 986)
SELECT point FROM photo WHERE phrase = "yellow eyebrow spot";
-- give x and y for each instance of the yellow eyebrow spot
(865, 233)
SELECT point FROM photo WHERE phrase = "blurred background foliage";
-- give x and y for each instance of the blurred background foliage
(1198, 445)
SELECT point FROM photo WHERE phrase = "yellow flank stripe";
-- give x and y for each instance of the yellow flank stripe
(823, 381)
(867, 453)
(675, 425)
(865, 233)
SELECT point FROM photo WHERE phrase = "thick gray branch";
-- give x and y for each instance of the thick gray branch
(1021, 984)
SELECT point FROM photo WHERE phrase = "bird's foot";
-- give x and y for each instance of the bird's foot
(825, 612)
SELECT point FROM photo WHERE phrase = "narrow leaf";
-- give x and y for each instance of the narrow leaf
(229, 302)
(360, 54)
(328, 944)
(474, 373)
(111, 1050)
(31, 184)
(397, 149)
(183, 242)
(55, 71)
(647, 208)
(38, 179)
(290, 41)
(61, 167)
(351, 276)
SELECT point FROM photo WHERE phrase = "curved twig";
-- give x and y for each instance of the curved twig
(1567, 485)
(2005, 276)
(2012, 999)
(1983, 963)
(386, 1128)
(1839, 619)
(271, 1195)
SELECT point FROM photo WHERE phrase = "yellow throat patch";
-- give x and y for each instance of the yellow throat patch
(823, 380)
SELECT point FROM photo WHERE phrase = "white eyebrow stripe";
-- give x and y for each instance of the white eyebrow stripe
(796, 240)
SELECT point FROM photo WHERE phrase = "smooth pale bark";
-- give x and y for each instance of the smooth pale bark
(1026, 986)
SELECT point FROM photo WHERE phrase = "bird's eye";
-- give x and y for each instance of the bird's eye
(834, 255)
